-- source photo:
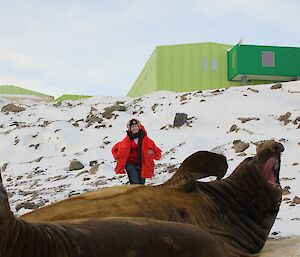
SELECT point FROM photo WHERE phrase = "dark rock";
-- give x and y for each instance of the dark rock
(29, 205)
(92, 119)
(215, 91)
(101, 126)
(4, 166)
(244, 120)
(253, 90)
(295, 121)
(184, 97)
(94, 168)
(38, 159)
(275, 233)
(35, 146)
(240, 146)
(180, 119)
(276, 86)
(93, 163)
(282, 140)
(285, 118)
(108, 111)
(234, 128)
(154, 107)
(296, 200)
(286, 190)
(75, 165)
(12, 108)
(57, 104)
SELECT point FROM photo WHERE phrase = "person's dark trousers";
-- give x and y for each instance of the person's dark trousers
(134, 174)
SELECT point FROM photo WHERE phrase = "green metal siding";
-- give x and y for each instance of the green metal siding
(180, 67)
(13, 90)
(146, 81)
(250, 61)
(232, 58)
(71, 97)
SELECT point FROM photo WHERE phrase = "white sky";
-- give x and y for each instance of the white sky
(99, 47)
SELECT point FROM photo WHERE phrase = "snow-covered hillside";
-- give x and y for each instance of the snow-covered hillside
(39, 142)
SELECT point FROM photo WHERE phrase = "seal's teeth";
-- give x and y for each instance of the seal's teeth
(276, 167)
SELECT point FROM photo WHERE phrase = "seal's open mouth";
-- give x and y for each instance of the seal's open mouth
(271, 171)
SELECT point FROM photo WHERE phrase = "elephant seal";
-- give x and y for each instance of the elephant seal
(106, 237)
(238, 210)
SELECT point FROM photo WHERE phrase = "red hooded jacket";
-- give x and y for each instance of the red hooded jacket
(150, 152)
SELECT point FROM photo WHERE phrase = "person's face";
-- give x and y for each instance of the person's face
(134, 129)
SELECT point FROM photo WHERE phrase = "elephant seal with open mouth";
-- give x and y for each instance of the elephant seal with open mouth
(238, 210)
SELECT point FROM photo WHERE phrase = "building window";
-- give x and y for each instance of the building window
(205, 64)
(268, 59)
(234, 60)
(214, 64)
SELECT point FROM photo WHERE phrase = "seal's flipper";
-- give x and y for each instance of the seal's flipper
(199, 165)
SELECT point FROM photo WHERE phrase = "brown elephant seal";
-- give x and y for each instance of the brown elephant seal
(239, 210)
(107, 237)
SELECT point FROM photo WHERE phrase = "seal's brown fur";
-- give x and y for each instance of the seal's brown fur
(239, 210)
(107, 237)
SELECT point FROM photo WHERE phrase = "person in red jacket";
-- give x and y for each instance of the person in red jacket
(136, 153)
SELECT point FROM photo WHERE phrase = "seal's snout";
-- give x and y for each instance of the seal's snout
(277, 147)
(269, 146)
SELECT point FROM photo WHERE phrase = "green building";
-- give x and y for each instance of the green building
(71, 97)
(15, 93)
(202, 66)
(266, 63)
